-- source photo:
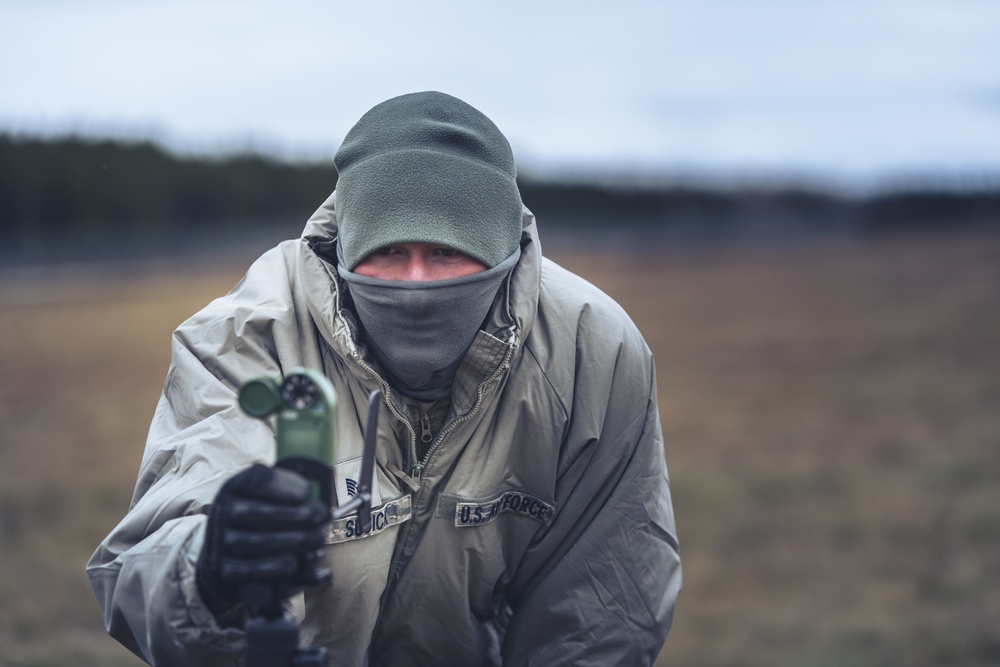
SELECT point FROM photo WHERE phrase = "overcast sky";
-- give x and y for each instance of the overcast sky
(848, 88)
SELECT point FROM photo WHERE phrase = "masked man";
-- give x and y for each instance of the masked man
(522, 512)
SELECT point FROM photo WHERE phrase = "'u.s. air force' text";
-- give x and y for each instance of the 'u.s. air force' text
(478, 513)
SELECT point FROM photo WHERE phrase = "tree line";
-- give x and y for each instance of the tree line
(90, 192)
(83, 188)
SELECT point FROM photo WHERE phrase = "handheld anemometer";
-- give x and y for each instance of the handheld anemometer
(306, 408)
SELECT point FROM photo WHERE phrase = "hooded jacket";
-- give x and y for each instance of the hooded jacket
(537, 529)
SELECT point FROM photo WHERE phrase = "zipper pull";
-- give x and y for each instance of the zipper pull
(416, 471)
(426, 435)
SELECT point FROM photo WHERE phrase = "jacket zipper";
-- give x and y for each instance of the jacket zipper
(418, 468)
(415, 469)
(426, 435)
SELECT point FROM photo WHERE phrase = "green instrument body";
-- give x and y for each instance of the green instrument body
(306, 408)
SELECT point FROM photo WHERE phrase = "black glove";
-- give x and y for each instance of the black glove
(263, 542)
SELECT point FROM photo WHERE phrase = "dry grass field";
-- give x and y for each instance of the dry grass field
(831, 412)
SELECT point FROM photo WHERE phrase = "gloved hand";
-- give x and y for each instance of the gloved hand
(263, 542)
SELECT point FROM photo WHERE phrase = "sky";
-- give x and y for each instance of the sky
(850, 91)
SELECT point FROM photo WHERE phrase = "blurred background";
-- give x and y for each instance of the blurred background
(798, 203)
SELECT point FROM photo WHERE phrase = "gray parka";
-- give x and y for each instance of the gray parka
(539, 530)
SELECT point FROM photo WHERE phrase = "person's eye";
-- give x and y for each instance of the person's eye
(447, 252)
(384, 250)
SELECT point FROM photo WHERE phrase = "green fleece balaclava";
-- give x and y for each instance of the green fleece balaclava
(427, 167)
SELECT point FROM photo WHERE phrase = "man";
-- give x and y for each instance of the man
(521, 499)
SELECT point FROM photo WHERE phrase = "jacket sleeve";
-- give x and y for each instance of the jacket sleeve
(143, 574)
(603, 580)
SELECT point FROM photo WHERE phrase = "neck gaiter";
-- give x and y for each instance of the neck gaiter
(420, 331)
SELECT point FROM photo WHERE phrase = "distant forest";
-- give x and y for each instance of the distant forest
(108, 198)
